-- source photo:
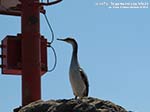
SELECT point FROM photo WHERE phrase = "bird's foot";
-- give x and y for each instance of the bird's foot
(78, 99)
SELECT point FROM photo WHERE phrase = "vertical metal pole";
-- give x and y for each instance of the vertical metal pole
(31, 63)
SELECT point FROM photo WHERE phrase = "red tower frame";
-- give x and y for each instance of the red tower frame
(31, 57)
(26, 53)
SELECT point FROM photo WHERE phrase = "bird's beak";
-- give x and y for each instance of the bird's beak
(60, 39)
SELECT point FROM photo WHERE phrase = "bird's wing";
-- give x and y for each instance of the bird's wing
(85, 79)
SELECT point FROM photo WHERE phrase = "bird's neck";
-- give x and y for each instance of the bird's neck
(75, 51)
(74, 60)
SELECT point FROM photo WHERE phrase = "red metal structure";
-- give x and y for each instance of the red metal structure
(26, 53)
(31, 56)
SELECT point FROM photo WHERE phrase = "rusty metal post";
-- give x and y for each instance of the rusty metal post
(31, 57)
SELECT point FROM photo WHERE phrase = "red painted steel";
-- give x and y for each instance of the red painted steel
(11, 55)
(26, 54)
(44, 64)
(31, 57)
(12, 58)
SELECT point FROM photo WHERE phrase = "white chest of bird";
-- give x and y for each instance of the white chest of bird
(77, 83)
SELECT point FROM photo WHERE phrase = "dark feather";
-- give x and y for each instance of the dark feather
(85, 79)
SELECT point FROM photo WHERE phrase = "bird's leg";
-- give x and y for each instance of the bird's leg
(75, 97)
(78, 100)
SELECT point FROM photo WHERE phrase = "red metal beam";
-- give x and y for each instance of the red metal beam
(31, 57)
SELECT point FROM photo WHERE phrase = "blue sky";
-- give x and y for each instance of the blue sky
(114, 51)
